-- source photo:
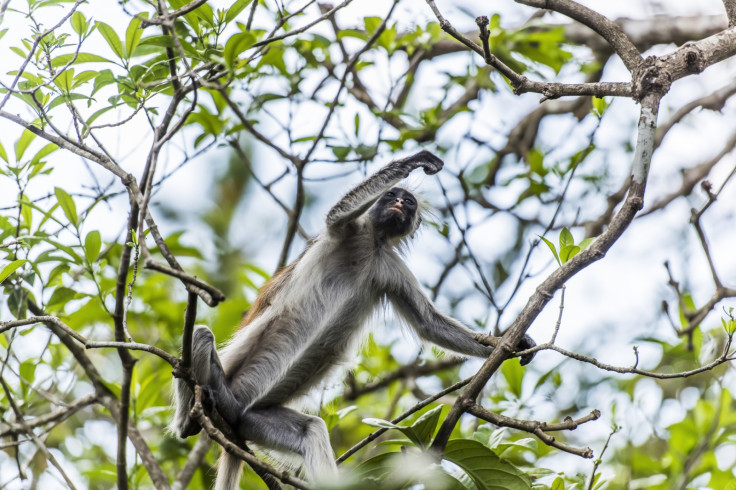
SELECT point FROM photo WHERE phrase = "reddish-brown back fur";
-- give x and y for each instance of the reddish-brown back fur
(268, 291)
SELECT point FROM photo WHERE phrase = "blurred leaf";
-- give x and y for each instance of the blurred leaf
(79, 23)
(485, 468)
(237, 44)
(92, 246)
(420, 432)
(566, 238)
(568, 251)
(112, 39)
(63, 59)
(513, 372)
(10, 268)
(235, 9)
(22, 144)
(552, 248)
(586, 243)
(67, 205)
(133, 34)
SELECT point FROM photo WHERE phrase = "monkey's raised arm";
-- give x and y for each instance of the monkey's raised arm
(422, 315)
(357, 201)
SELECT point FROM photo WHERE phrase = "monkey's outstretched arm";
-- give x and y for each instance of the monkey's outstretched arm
(357, 201)
(421, 314)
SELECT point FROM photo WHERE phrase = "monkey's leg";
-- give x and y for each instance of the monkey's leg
(285, 429)
(208, 373)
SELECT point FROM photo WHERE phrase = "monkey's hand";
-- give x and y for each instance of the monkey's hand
(526, 343)
(426, 160)
(208, 399)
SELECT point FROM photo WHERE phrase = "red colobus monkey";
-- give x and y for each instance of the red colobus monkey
(309, 318)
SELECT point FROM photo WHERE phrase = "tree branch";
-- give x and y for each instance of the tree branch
(539, 429)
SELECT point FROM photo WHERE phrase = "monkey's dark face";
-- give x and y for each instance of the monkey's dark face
(394, 214)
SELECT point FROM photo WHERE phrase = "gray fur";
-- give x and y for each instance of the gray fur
(311, 322)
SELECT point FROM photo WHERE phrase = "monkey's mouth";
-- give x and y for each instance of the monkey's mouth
(397, 207)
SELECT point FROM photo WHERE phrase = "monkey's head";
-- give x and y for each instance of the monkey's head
(396, 213)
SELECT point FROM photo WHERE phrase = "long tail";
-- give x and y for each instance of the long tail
(229, 470)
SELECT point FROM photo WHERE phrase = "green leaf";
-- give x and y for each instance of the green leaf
(484, 467)
(68, 250)
(64, 98)
(377, 467)
(92, 246)
(341, 152)
(568, 251)
(79, 23)
(423, 428)
(67, 205)
(3, 155)
(586, 243)
(112, 38)
(237, 44)
(63, 59)
(26, 212)
(104, 78)
(371, 23)
(65, 79)
(60, 297)
(133, 34)
(566, 238)
(44, 152)
(84, 77)
(419, 433)
(10, 268)
(22, 144)
(551, 247)
(235, 9)
(599, 106)
(97, 114)
(514, 374)
(27, 370)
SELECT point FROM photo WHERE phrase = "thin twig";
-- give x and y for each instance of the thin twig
(539, 429)
(599, 459)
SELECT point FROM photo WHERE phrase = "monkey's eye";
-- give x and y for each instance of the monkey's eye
(409, 201)
(390, 194)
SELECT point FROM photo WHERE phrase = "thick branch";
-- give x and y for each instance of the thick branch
(730, 6)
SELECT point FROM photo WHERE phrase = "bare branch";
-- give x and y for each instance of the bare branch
(56, 416)
(168, 18)
(92, 344)
(209, 294)
(539, 429)
(414, 370)
(723, 358)
(730, 6)
(190, 317)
